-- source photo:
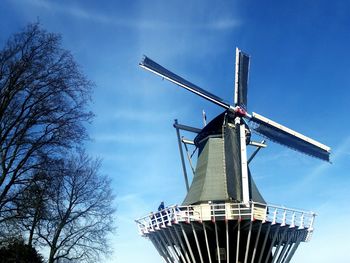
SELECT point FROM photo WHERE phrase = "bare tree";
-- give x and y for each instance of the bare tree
(32, 202)
(43, 97)
(80, 209)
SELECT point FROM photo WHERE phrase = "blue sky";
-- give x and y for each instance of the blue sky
(299, 76)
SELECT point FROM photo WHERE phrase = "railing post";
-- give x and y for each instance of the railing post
(301, 221)
(293, 220)
(312, 221)
(188, 214)
(284, 217)
(168, 220)
(239, 212)
(266, 213)
(158, 217)
(274, 216)
(212, 212)
(172, 218)
(162, 217)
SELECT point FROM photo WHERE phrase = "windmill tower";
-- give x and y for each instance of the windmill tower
(223, 217)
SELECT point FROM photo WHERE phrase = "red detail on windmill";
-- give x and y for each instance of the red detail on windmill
(240, 112)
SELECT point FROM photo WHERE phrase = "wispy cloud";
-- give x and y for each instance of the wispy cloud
(340, 151)
(132, 23)
(141, 116)
(130, 138)
(77, 12)
(224, 24)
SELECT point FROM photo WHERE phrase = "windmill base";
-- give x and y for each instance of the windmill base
(227, 232)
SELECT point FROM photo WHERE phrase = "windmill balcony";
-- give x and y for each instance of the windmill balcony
(227, 211)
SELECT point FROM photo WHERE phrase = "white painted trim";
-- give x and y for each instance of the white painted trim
(244, 165)
(235, 96)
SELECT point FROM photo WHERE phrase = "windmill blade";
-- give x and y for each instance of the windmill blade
(241, 79)
(152, 66)
(287, 137)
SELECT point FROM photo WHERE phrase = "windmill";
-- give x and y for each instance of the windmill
(223, 217)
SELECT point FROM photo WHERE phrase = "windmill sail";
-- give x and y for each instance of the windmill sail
(154, 67)
(287, 137)
(263, 126)
(241, 79)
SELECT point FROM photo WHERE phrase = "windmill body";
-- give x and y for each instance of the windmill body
(223, 217)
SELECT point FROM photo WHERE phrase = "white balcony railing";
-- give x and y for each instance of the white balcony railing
(226, 211)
